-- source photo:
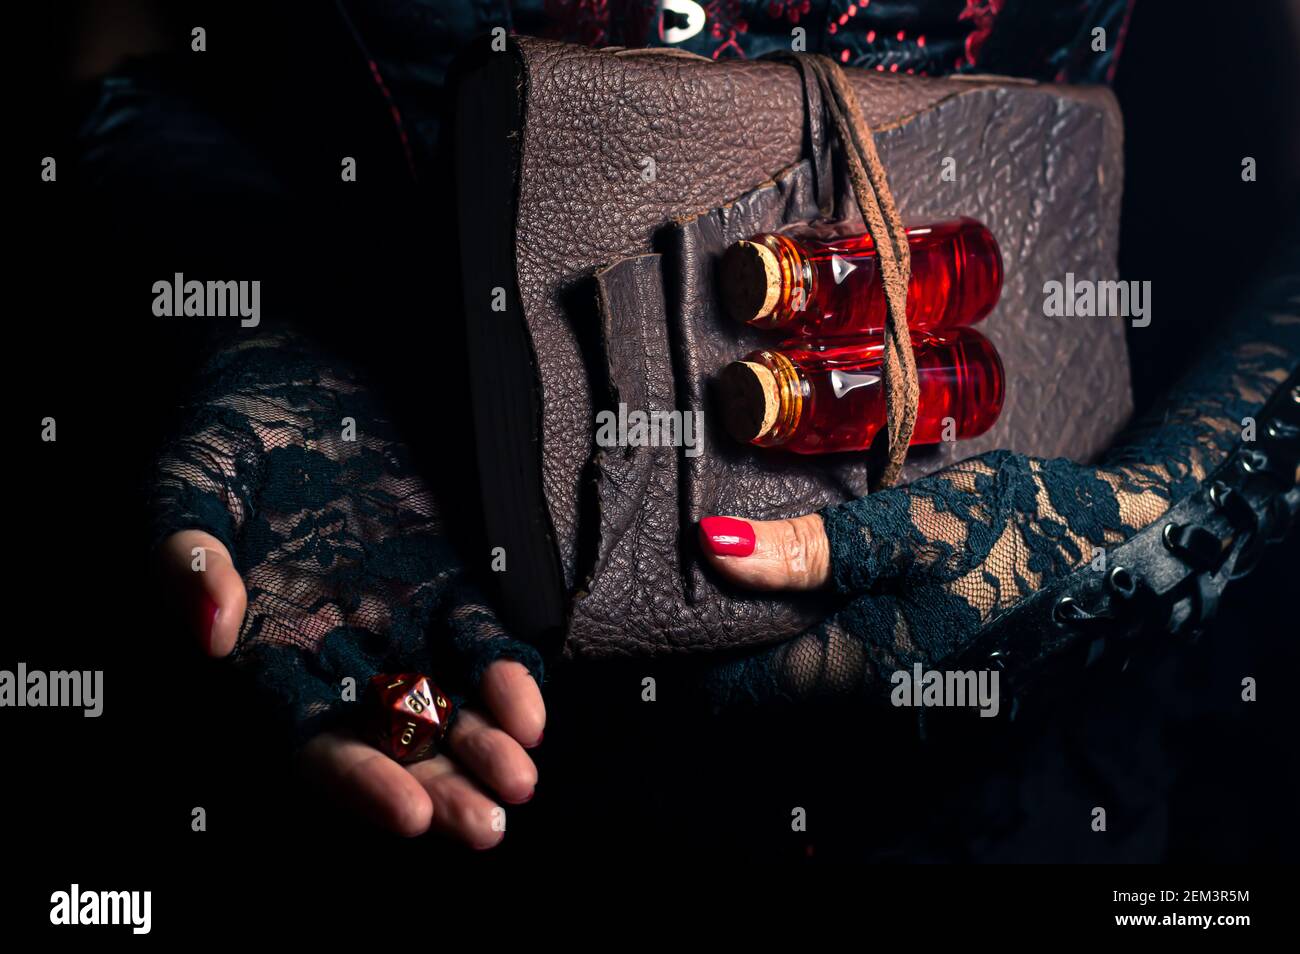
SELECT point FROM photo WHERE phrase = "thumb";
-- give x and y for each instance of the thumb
(768, 554)
(209, 589)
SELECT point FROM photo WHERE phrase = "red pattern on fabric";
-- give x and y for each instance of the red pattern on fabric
(983, 13)
(726, 25)
(791, 10)
(396, 116)
(580, 21)
(1119, 43)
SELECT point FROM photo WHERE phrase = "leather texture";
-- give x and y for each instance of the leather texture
(628, 152)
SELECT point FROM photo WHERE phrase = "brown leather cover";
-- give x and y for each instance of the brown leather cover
(1039, 165)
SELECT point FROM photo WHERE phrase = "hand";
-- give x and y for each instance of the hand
(346, 573)
(920, 569)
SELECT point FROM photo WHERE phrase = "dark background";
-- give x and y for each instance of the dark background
(1188, 772)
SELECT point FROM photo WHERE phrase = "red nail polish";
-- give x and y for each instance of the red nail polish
(208, 610)
(727, 536)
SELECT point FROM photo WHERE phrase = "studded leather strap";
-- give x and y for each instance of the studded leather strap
(1170, 576)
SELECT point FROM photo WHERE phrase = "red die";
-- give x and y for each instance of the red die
(409, 715)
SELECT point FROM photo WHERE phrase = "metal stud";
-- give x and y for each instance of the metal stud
(1122, 581)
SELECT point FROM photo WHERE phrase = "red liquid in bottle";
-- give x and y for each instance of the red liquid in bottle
(832, 287)
(830, 397)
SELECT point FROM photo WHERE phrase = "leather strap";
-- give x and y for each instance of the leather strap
(814, 132)
(829, 95)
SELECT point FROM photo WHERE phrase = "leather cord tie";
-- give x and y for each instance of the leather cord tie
(830, 96)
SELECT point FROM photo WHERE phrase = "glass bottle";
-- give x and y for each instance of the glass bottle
(827, 397)
(811, 286)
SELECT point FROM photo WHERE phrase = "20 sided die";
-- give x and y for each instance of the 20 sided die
(409, 715)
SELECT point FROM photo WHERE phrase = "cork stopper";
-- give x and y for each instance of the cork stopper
(749, 400)
(751, 281)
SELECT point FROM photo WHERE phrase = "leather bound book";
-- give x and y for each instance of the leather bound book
(598, 190)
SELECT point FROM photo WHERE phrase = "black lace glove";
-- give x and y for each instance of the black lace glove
(925, 568)
(286, 459)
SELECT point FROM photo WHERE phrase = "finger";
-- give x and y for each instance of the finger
(768, 554)
(460, 809)
(493, 757)
(213, 593)
(369, 782)
(515, 701)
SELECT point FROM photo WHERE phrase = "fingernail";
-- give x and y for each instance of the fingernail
(208, 611)
(727, 536)
(540, 736)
